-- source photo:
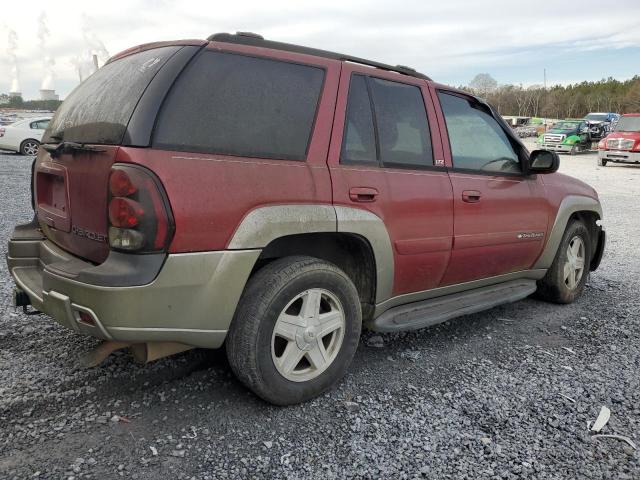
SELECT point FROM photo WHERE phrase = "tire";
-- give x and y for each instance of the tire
(602, 162)
(29, 147)
(274, 297)
(557, 286)
(573, 150)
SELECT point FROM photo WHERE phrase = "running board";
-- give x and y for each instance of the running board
(430, 312)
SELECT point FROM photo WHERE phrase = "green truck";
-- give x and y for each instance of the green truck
(567, 136)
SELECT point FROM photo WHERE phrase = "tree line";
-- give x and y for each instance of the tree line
(17, 102)
(560, 101)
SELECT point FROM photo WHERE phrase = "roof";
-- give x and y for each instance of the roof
(255, 40)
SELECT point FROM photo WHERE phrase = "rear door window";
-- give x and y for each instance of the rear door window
(99, 109)
(40, 125)
(403, 128)
(477, 140)
(239, 105)
(386, 123)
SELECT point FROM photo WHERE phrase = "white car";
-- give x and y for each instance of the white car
(24, 136)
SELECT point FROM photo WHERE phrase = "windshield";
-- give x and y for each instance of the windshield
(628, 124)
(99, 109)
(565, 126)
(597, 117)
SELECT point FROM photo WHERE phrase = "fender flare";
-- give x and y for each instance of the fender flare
(569, 205)
(263, 225)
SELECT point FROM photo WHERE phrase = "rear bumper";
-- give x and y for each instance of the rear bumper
(619, 156)
(191, 299)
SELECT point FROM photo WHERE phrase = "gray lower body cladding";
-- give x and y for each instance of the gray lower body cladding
(191, 299)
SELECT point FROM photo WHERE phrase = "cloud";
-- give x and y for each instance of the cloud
(445, 40)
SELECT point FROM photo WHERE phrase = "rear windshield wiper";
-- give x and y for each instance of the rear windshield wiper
(56, 149)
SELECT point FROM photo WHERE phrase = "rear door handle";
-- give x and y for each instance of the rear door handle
(363, 194)
(471, 196)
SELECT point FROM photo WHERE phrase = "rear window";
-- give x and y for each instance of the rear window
(238, 105)
(99, 109)
(597, 117)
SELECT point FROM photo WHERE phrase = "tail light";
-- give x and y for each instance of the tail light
(602, 144)
(140, 218)
(2, 130)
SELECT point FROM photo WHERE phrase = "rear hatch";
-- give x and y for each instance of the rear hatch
(80, 146)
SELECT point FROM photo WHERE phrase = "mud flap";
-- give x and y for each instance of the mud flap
(99, 354)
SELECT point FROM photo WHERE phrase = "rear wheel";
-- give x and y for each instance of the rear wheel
(296, 330)
(29, 147)
(602, 162)
(564, 281)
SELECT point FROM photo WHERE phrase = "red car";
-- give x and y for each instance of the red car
(275, 198)
(622, 145)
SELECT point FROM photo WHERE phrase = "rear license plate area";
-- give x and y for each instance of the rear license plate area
(52, 199)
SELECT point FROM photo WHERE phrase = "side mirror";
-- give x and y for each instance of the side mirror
(543, 161)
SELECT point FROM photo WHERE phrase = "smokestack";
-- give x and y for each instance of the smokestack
(93, 52)
(48, 95)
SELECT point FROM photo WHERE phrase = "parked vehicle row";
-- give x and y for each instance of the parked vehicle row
(275, 199)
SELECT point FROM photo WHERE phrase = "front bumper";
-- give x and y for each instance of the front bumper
(557, 147)
(619, 156)
(191, 299)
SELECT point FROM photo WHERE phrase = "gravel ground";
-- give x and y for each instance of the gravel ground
(502, 394)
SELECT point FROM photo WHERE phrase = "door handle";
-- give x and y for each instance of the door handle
(471, 196)
(363, 194)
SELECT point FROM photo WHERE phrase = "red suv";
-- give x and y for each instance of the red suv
(275, 198)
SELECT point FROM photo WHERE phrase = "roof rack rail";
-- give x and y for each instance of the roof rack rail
(255, 40)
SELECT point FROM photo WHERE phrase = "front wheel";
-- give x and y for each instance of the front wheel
(564, 281)
(29, 147)
(295, 331)
(602, 162)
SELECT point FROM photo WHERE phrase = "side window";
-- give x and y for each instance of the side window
(395, 132)
(403, 129)
(477, 140)
(234, 104)
(40, 125)
(359, 143)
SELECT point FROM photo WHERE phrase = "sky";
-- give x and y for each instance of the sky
(451, 41)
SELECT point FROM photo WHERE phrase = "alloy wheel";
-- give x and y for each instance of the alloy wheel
(30, 148)
(574, 266)
(308, 335)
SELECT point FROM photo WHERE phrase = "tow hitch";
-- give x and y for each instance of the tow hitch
(21, 299)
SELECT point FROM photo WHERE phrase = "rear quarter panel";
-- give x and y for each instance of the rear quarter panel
(210, 194)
